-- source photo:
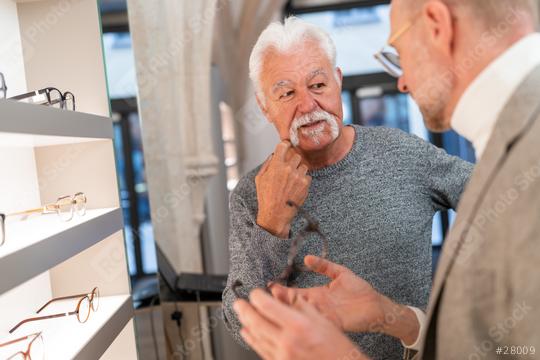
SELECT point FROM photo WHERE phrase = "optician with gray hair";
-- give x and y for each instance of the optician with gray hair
(373, 191)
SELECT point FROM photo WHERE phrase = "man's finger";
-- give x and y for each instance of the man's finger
(309, 309)
(303, 169)
(252, 319)
(264, 350)
(272, 308)
(281, 150)
(265, 165)
(290, 153)
(324, 267)
(295, 160)
(284, 294)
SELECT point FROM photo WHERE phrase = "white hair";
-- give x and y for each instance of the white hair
(283, 38)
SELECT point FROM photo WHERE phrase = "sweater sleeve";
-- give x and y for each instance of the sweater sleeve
(445, 176)
(256, 258)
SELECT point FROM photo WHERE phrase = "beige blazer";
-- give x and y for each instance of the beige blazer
(486, 292)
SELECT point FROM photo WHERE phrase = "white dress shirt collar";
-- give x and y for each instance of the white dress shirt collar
(482, 102)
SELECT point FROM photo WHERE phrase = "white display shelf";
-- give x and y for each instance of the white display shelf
(66, 338)
(25, 124)
(43, 241)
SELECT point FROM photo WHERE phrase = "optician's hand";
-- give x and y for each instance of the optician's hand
(277, 331)
(351, 303)
(282, 178)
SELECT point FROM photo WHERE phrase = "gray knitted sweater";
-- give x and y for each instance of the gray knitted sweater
(376, 207)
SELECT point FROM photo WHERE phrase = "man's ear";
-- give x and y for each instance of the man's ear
(339, 76)
(438, 20)
(263, 108)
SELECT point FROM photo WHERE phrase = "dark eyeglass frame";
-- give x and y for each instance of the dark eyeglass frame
(62, 98)
(2, 229)
(312, 226)
(93, 295)
(3, 86)
(26, 354)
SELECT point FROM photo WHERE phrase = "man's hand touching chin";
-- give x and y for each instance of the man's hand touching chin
(282, 178)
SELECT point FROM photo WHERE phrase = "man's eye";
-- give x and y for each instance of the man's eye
(286, 95)
(318, 86)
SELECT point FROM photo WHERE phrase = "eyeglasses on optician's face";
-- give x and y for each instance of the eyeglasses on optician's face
(3, 86)
(65, 207)
(34, 351)
(49, 96)
(87, 302)
(311, 227)
(388, 56)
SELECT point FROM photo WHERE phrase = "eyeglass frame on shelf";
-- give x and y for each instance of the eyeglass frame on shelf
(3, 86)
(55, 207)
(384, 57)
(2, 229)
(26, 354)
(312, 226)
(47, 92)
(82, 297)
(92, 294)
(45, 209)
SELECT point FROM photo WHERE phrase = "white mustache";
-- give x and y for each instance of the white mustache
(313, 117)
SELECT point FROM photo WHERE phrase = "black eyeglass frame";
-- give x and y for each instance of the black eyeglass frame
(3, 86)
(2, 228)
(62, 98)
(312, 226)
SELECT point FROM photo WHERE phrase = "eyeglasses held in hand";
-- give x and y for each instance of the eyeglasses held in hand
(34, 351)
(65, 207)
(86, 303)
(3, 87)
(311, 227)
(50, 97)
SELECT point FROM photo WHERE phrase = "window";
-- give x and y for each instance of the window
(134, 200)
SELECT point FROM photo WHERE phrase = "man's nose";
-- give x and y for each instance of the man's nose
(402, 85)
(306, 103)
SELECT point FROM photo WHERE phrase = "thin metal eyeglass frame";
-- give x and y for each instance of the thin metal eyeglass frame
(47, 209)
(26, 354)
(55, 207)
(90, 297)
(384, 57)
(94, 294)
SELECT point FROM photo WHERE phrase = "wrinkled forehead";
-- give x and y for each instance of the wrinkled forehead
(298, 61)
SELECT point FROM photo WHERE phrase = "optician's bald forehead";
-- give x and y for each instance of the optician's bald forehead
(400, 11)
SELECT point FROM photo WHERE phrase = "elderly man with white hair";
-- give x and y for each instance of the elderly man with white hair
(373, 191)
